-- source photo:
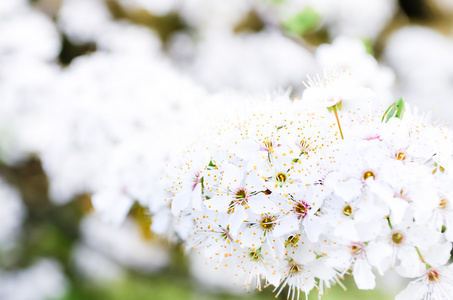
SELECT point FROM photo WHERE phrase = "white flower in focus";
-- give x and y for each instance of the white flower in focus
(238, 192)
(435, 284)
(303, 207)
(334, 88)
(297, 272)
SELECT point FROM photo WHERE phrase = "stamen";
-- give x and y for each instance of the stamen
(281, 177)
(400, 156)
(397, 238)
(368, 174)
(433, 275)
(267, 223)
(347, 210)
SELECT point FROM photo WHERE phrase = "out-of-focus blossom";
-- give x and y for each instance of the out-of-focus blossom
(124, 245)
(41, 281)
(343, 17)
(84, 20)
(249, 62)
(11, 215)
(428, 84)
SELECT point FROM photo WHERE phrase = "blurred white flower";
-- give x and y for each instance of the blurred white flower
(336, 86)
(249, 62)
(429, 84)
(29, 33)
(123, 245)
(84, 20)
(43, 280)
(11, 215)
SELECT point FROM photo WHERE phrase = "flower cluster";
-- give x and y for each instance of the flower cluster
(295, 195)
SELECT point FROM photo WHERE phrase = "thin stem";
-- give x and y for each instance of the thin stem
(421, 258)
(338, 121)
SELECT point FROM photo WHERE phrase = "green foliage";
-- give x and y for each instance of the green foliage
(303, 22)
(396, 110)
(368, 45)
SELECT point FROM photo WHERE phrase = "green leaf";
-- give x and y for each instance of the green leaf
(335, 107)
(368, 45)
(303, 22)
(211, 165)
(396, 110)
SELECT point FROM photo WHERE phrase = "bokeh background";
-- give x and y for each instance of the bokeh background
(94, 94)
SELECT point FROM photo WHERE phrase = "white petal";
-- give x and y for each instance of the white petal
(252, 237)
(237, 220)
(379, 255)
(219, 203)
(363, 276)
(261, 204)
(437, 254)
(112, 206)
(314, 227)
(414, 291)
(285, 226)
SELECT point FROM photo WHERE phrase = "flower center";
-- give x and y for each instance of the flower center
(347, 210)
(397, 238)
(301, 209)
(356, 249)
(268, 145)
(294, 269)
(433, 275)
(254, 255)
(196, 180)
(267, 223)
(368, 174)
(443, 203)
(293, 240)
(241, 196)
(400, 156)
(304, 147)
(281, 177)
(226, 233)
